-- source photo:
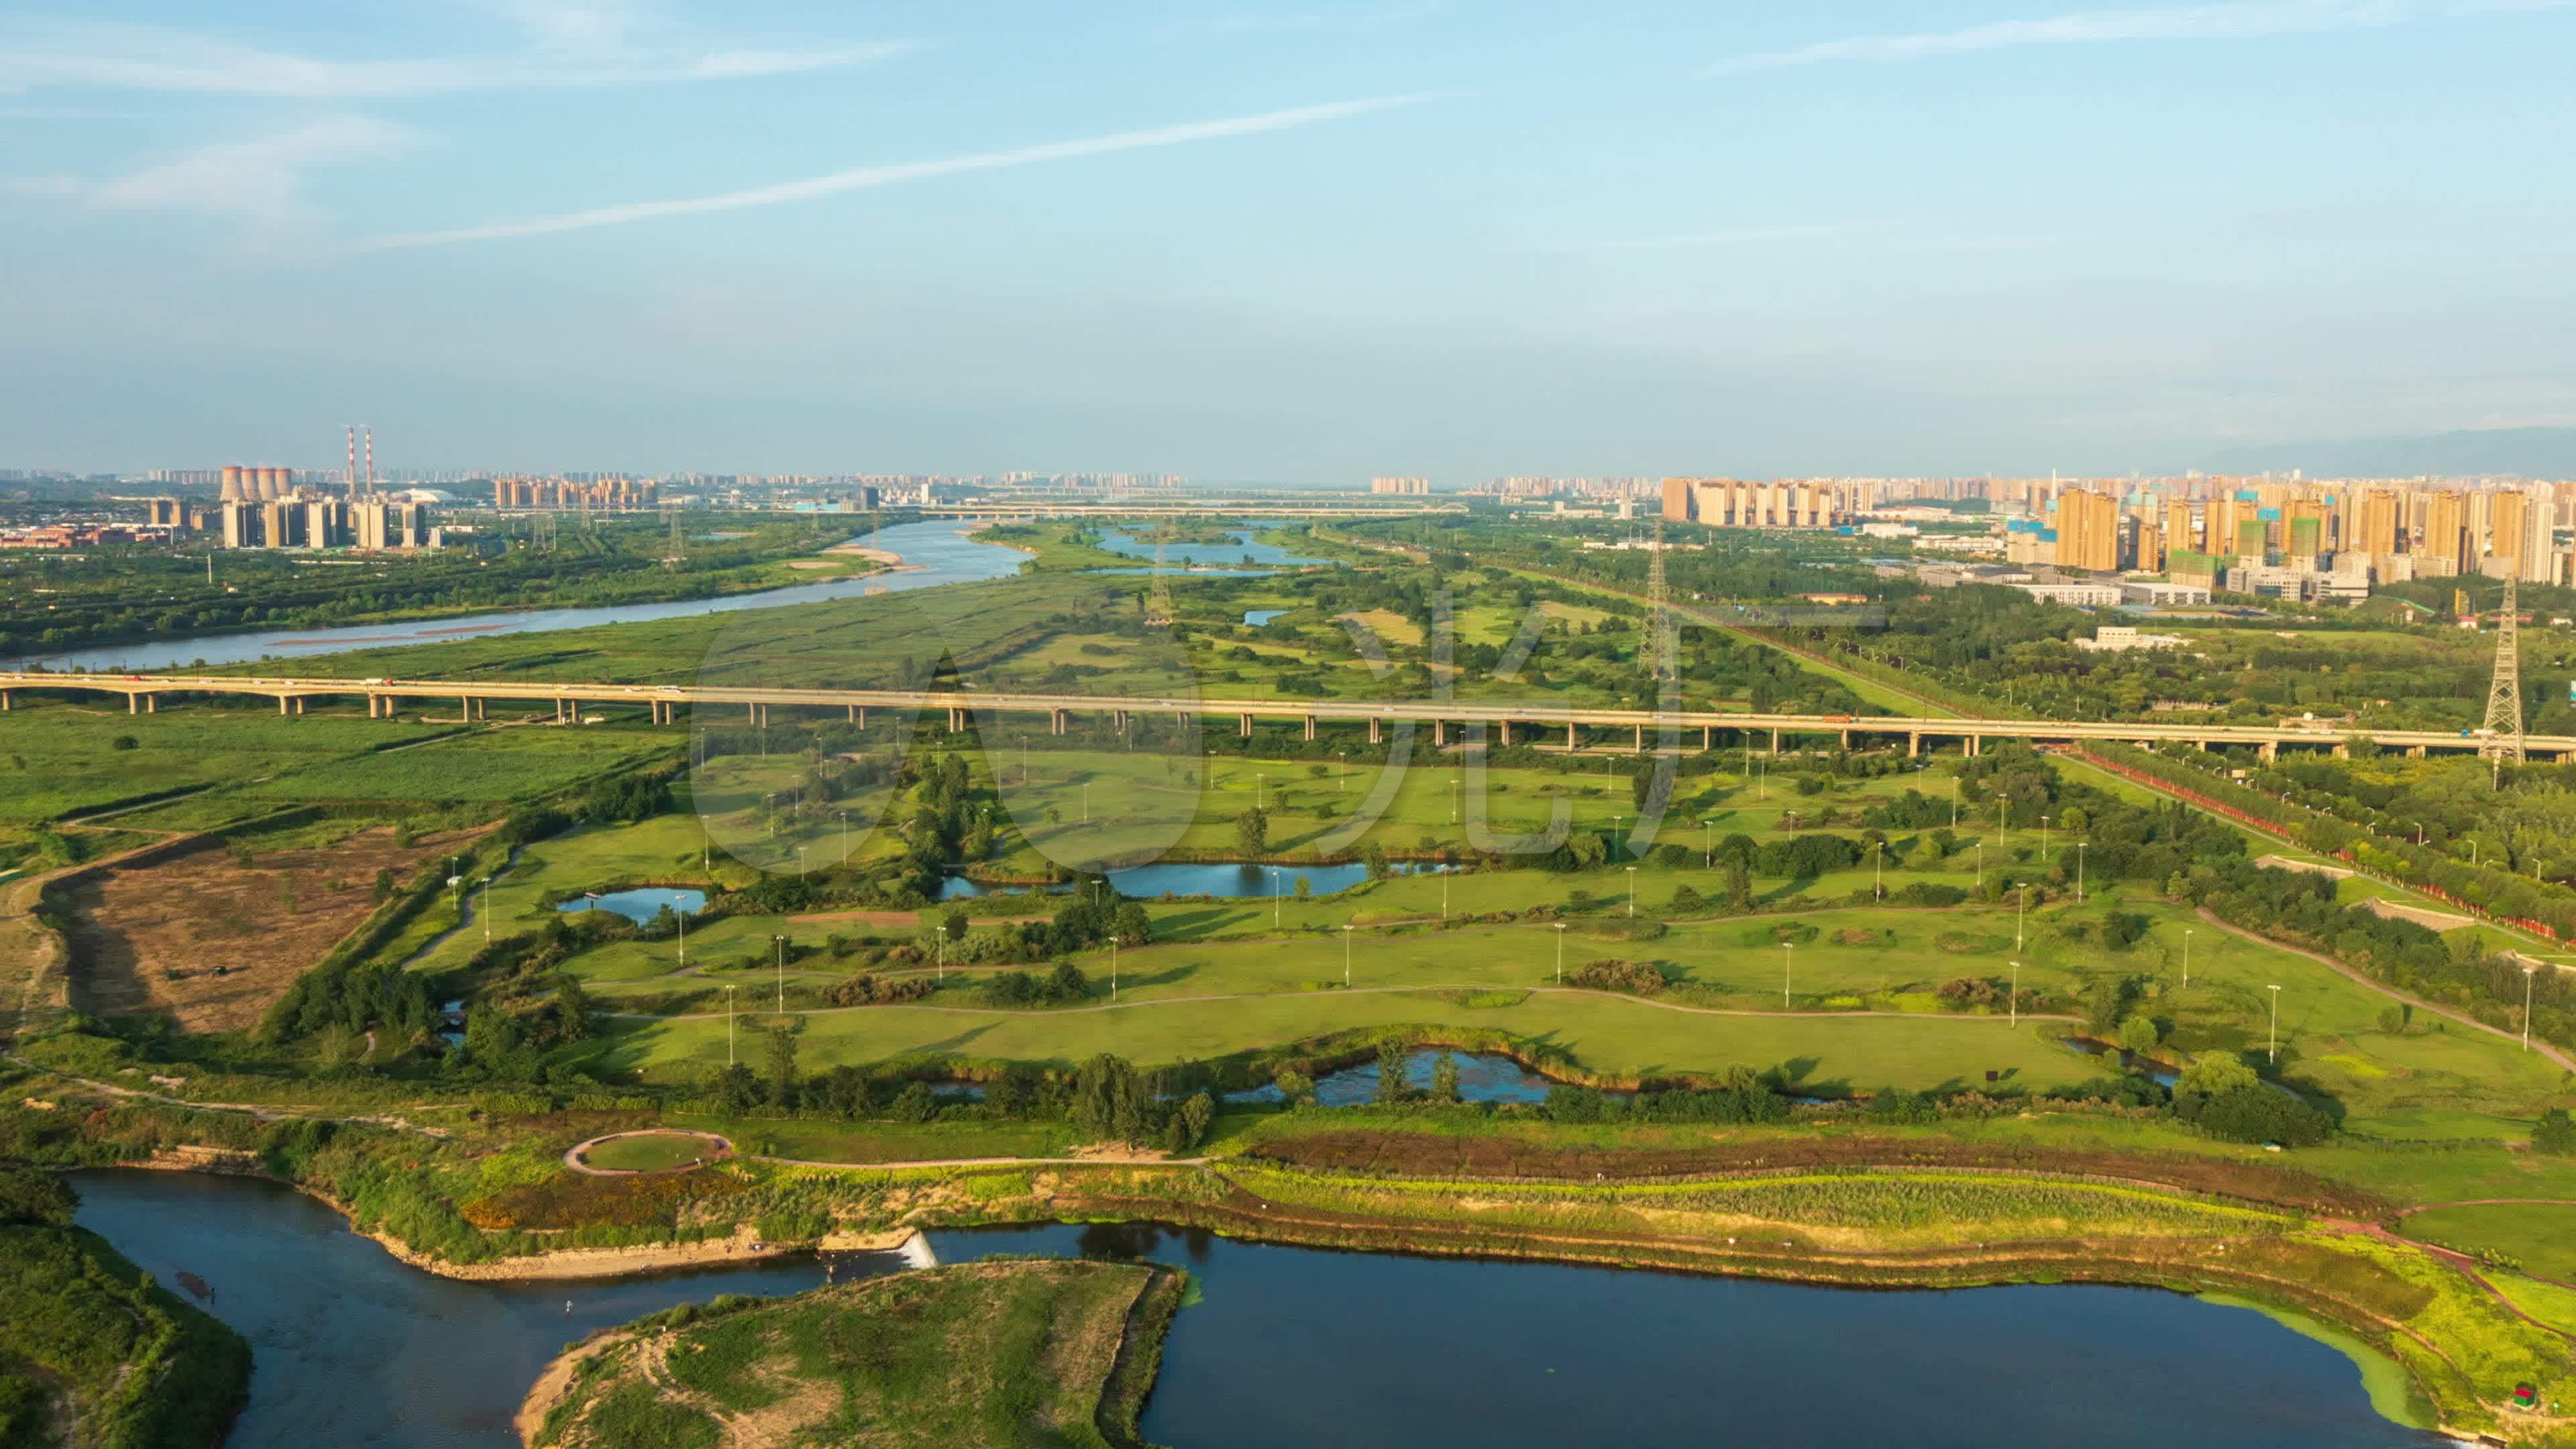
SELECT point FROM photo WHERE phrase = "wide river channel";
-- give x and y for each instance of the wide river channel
(936, 552)
(1292, 1348)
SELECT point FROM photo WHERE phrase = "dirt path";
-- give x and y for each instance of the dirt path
(2354, 975)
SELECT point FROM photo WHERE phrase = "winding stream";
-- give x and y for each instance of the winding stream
(1297, 1347)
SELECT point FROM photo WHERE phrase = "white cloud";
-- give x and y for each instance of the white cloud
(574, 53)
(863, 178)
(261, 178)
(2251, 20)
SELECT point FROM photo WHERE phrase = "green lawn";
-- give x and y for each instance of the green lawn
(647, 1152)
(2542, 1236)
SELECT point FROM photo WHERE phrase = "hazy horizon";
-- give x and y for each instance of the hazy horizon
(1303, 244)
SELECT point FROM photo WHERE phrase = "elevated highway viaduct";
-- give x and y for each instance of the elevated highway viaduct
(1448, 721)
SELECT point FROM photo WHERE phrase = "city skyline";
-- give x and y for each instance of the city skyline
(1271, 246)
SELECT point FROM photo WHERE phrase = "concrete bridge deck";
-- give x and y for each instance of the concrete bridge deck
(1506, 723)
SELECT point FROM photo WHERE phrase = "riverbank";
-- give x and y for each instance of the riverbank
(1062, 1349)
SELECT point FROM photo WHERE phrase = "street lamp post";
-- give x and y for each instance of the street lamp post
(2272, 1050)
(1954, 802)
(1560, 953)
(1113, 966)
(1707, 844)
(2527, 972)
(683, 918)
(1346, 955)
(845, 837)
(2186, 958)
(2043, 840)
(781, 942)
(2014, 1006)
(1444, 894)
(2021, 898)
(2079, 870)
(1632, 890)
(1785, 958)
(483, 908)
(1878, 870)
(1274, 897)
(1981, 867)
(728, 1023)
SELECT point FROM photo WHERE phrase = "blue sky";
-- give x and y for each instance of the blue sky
(1302, 242)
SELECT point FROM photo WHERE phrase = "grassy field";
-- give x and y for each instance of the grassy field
(1003, 1354)
(2542, 1236)
(647, 1152)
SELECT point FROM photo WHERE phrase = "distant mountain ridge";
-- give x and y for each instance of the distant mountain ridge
(2526, 452)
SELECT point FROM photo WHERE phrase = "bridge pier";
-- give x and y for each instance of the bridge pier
(1507, 734)
(1310, 726)
(1243, 725)
(281, 705)
(1058, 721)
(1440, 734)
(133, 703)
(1118, 720)
(1775, 743)
(559, 704)
(2269, 751)
(1846, 734)
(1641, 739)
(2342, 751)
(6, 703)
(1571, 743)
(1707, 738)
(2413, 752)
(1377, 735)
(956, 719)
(1914, 745)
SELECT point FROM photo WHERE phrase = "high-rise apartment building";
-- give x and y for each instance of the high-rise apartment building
(2088, 531)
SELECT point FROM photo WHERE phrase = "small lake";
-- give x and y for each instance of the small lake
(1243, 551)
(1260, 618)
(1482, 1077)
(1221, 880)
(1296, 1347)
(640, 905)
(941, 549)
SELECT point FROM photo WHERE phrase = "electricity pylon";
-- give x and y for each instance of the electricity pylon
(2504, 692)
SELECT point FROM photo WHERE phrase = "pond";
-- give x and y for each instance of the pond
(941, 552)
(1222, 880)
(1482, 1077)
(1259, 618)
(1243, 550)
(1295, 1347)
(639, 905)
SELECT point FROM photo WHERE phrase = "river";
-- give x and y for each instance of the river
(940, 552)
(1295, 1347)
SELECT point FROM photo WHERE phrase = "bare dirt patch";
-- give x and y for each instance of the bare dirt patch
(202, 938)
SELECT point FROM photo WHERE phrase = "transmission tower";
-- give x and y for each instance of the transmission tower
(1662, 648)
(2504, 693)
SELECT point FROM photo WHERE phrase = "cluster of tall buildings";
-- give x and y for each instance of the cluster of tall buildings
(313, 521)
(1781, 503)
(2201, 530)
(1402, 487)
(598, 493)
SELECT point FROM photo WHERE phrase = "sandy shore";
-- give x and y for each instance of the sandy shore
(891, 560)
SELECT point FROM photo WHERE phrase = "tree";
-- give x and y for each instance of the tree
(384, 889)
(2214, 1074)
(2138, 1034)
(782, 1067)
(737, 1088)
(1390, 1072)
(1296, 1086)
(1198, 1111)
(2556, 1133)
(955, 923)
(29, 1195)
(1444, 1076)
(1739, 886)
(1106, 1099)
(1252, 830)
